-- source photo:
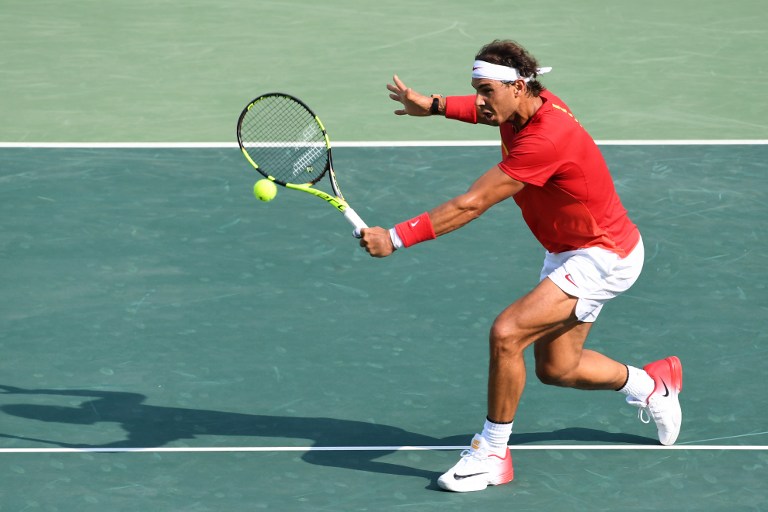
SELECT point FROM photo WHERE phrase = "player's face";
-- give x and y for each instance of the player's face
(495, 100)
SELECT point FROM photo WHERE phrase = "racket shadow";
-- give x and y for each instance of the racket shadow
(151, 426)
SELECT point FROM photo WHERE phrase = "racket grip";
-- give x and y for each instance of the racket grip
(354, 219)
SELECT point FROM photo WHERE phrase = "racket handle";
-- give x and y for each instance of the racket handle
(354, 219)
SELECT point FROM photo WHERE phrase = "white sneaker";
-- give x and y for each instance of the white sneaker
(478, 468)
(663, 404)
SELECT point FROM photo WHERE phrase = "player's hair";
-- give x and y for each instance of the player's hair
(509, 53)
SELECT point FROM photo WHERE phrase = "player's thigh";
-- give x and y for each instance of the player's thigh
(544, 310)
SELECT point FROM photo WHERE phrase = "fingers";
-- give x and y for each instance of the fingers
(414, 103)
(398, 92)
(376, 242)
(398, 89)
(363, 241)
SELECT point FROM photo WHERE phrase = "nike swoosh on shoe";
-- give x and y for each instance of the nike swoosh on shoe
(462, 477)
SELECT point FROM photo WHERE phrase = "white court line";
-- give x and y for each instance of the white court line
(240, 449)
(361, 144)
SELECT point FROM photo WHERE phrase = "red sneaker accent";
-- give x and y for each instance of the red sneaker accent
(507, 471)
(666, 372)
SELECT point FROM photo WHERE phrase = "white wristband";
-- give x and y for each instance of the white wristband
(395, 239)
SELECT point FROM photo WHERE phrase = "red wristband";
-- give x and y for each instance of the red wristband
(418, 229)
(461, 108)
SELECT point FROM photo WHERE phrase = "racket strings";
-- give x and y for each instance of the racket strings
(285, 140)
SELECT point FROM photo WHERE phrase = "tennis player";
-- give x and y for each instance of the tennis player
(554, 171)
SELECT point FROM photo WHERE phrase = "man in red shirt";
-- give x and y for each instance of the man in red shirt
(554, 171)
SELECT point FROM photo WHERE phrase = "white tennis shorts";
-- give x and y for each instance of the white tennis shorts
(593, 275)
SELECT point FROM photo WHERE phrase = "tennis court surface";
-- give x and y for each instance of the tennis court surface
(170, 343)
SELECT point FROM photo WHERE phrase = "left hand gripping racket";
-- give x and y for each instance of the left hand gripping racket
(286, 142)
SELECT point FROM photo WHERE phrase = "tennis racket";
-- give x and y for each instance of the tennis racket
(287, 143)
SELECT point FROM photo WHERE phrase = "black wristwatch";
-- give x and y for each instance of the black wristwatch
(434, 109)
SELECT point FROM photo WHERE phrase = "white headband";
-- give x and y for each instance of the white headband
(482, 69)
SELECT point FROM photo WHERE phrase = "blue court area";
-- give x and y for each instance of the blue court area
(263, 362)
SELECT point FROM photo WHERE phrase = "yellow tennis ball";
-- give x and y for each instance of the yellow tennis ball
(265, 190)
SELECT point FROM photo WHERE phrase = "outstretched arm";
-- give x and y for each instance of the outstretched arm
(460, 108)
(123, 396)
(492, 187)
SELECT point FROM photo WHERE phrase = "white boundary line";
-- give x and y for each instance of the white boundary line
(361, 144)
(240, 449)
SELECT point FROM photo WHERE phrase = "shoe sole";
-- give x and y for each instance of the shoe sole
(471, 486)
(675, 368)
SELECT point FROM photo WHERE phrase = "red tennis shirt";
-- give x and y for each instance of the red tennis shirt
(569, 201)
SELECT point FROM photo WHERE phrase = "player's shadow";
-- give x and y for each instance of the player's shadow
(155, 426)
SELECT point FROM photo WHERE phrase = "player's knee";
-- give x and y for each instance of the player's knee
(505, 339)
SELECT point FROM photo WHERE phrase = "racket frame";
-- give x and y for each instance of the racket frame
(337, 200)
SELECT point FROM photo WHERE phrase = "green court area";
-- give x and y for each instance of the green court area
(147, 70)
(265, 362)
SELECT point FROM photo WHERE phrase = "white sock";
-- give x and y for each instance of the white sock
(497, 435)
(639, 384)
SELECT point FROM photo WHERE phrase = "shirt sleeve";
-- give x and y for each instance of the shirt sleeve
(531, 160)
(461, 108)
